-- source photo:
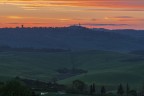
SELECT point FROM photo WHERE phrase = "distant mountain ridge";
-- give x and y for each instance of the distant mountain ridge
(73, 37)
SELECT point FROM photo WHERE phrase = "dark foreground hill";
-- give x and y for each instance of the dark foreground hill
(73, 37)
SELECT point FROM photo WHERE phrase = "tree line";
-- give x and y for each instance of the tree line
(80, 87)
(18, 88)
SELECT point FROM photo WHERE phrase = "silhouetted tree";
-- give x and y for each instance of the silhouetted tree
(133, 93)
(33, 94)
(142, 91)
(127, 89)
(15, 88)
(79, 86)
(103, 90)
(92, 89)
(1, 84)
(120, 90)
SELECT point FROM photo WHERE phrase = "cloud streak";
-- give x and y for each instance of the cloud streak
(135, 4)
(89, 24)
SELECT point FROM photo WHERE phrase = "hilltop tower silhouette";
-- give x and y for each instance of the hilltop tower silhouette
(22, 26)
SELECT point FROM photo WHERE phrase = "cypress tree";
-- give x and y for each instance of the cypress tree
(120, 90)
(93, 88)
(127, 89)
(103, 90)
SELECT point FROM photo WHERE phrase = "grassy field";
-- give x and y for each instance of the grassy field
(104, 68)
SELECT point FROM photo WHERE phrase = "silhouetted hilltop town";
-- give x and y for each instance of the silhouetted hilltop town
(75, 37)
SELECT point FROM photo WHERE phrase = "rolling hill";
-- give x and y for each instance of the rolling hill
(104, 67)
(73, 37)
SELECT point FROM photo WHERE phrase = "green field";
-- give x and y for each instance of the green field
(104, 68)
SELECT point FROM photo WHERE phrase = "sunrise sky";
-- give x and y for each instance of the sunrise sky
(112, 14)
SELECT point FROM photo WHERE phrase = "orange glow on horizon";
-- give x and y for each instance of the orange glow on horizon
(91, 13)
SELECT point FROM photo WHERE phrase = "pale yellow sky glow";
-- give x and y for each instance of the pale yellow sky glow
(125, 13)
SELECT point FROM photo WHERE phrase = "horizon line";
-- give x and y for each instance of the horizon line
(77, 25)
